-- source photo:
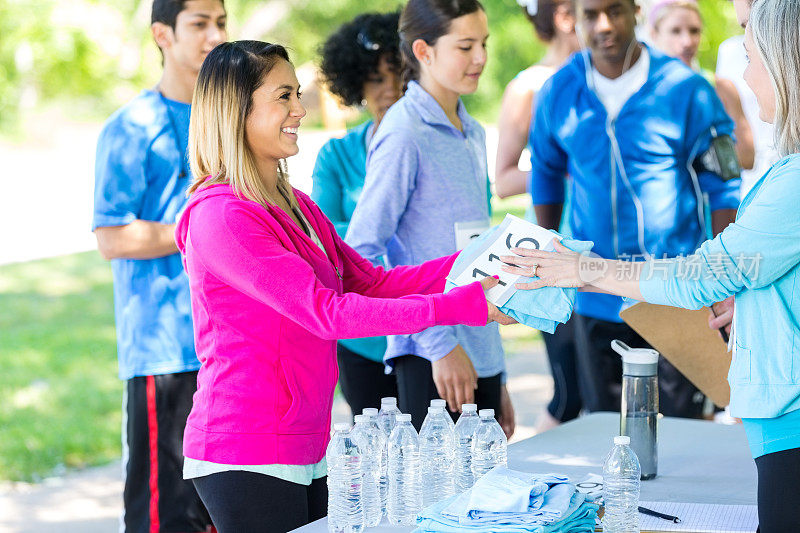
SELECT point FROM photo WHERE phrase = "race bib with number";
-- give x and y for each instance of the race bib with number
(484, 261)
(466, 232)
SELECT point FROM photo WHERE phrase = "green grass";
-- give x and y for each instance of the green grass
(60, 398)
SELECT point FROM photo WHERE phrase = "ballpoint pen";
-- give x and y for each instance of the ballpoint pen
(645, 510)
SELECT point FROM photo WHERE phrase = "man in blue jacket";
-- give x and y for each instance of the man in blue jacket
(631, 127)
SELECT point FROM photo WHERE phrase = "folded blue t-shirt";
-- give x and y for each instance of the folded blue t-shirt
(579, 517)
(541, 309)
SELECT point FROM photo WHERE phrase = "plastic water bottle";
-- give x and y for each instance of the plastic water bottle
(345, 512)
(443, 404)
(405, 476)
(369, 440)
(465, 429)
(388, 414)
(621, 473)
(489, 444)
(437, 451)
(372, 416)
(639, 408)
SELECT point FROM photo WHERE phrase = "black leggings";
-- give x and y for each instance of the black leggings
(566, 403)
(363, 381)
(778, 491)
(416, 389)
(246, 502)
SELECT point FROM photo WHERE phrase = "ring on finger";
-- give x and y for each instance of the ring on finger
(534, 268)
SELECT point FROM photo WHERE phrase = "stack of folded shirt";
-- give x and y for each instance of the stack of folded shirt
(505, 500)
(542, 309)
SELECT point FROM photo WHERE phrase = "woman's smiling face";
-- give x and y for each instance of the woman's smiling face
(271, 127)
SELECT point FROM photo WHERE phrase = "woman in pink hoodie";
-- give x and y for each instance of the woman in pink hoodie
(273, 287)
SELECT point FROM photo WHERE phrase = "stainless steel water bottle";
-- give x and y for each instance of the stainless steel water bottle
(639, 409)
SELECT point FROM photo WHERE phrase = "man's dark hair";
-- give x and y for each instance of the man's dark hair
(353, 53)
(166, 11)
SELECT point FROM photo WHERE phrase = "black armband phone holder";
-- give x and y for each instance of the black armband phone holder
(720, 159)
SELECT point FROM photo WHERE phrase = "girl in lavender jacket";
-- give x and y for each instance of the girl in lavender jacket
(427, 187)
(273, 287)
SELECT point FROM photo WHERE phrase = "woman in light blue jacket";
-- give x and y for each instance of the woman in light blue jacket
(757, 259)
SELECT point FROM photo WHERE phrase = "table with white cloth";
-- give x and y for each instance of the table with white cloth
(698, 461)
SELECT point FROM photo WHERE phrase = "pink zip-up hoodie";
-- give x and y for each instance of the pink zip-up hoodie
(268, 306)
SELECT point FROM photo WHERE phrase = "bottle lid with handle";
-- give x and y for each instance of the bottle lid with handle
(636, 361)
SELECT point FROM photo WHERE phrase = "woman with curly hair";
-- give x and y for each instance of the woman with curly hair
(360, 65)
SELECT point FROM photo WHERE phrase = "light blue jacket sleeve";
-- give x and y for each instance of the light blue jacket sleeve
(327, 189)
(755, 251)
(548, 159)
(706, 112)
(392, 166)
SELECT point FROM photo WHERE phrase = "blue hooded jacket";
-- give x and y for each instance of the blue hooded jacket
(659, 132)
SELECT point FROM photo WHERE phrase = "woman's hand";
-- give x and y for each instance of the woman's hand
(455, 378)
(561, 268)
(721, 315)
(506, 418)
(495, 315)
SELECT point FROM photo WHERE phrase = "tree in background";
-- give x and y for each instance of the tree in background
(87, 57)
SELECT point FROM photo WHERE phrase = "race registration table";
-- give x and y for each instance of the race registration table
(698, 461)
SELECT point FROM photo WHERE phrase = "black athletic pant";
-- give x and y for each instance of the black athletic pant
(566, 403)
(600, 371)
(778, 491)
(416, 389)
(246, 502)
(156, 497)
(363, 382)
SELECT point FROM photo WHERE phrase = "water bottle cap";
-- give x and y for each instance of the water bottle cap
(636, 361)
(486, 413)
(438, 403)
(469, 408)
(622, 440)
(403, 417)
(389, 400)
(341, 426)
(369, 412)
(360, 418)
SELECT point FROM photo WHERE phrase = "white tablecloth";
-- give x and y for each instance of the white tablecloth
(698, 462)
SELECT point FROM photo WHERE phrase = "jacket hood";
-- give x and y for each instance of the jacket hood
(182, 229)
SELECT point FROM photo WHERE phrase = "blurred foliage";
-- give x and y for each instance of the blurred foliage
(90, 56)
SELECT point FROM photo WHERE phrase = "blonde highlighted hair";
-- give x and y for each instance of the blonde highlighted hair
(776, 33)
(223, 99)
